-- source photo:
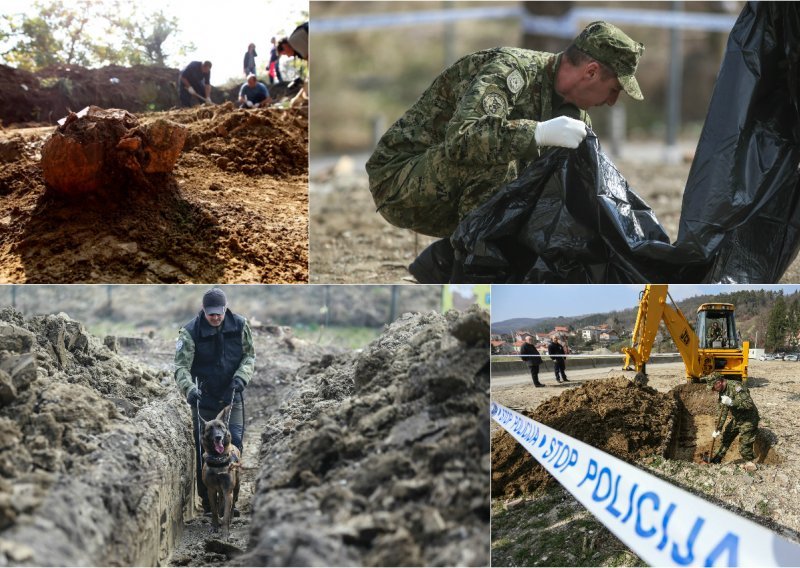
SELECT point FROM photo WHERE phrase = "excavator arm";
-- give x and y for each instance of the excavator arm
(653, 309)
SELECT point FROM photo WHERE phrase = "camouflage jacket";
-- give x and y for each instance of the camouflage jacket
(184, 356)
(743, 407)
(484, 108)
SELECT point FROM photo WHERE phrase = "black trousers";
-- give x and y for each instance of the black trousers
(559, 366)
(535, 373)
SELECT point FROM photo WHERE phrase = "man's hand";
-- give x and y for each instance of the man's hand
(715, 434)
(726, 400)
(193, 396)
(209, 101)
(191, 90)
(561, 131)
(238, 384)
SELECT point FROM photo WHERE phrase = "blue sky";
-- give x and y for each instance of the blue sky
(552, 300)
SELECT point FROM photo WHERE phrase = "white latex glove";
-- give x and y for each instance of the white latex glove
(561, 131)
(209, 101)
(191, 90)
(726, 400)
(715, 434)
(248, 103)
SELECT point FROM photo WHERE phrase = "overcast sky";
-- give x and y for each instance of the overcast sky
(553, 300)
(219, 30)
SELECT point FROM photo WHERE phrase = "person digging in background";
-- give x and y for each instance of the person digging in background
(532, 358)
(556, 352)
(734, 399)
(194, 84)
(484, 119)
(216, 348)
(253, 93)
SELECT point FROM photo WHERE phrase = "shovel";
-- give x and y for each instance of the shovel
(199, 96)
(706, 456)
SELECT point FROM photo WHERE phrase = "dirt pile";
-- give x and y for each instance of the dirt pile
(49, 94)
(86, 436)
(54, 92)
(611, 414)
(95, 148)
(208, 222)
(255, 141)
(381, 457)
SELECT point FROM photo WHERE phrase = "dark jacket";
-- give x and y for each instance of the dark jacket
(249, 63)
(218, 353)
(554, 348)
(193, 73)
(530, 355)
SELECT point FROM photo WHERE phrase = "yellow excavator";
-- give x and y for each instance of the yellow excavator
(713, 344)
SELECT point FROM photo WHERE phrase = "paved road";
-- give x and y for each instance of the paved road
(598, 372)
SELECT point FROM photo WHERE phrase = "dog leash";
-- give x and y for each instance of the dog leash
(228, 421)
(197, 409)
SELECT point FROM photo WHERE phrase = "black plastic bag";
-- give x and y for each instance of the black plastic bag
(571, 216)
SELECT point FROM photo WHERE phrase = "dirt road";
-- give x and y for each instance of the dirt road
(235, 210)
(533, 529)
(350, 242)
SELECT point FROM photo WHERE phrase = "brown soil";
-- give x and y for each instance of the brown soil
(234, 210)
(49, 94)
(611, 414)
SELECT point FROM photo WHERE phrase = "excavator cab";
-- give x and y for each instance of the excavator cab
(716, 327)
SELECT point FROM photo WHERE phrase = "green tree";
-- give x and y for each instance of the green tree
(777, 326)
(67, 33)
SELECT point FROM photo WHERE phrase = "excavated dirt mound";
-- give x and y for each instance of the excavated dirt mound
(85, 436)
(614, 415)
(49, 94)
(626, 421)
(381, 457)
(234, 211)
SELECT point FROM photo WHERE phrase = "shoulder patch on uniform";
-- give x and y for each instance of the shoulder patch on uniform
(178, 345)
(515, 81)
(738, 389)
(494, 104)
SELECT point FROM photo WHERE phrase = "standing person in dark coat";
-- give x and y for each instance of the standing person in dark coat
(556, 352)
(530, 355)
(249, 65)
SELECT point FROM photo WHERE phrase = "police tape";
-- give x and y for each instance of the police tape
(661, 523)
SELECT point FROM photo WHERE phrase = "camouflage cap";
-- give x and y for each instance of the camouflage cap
(611, 46)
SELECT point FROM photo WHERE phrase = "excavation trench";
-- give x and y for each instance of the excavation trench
(370, 457)
(696, 418)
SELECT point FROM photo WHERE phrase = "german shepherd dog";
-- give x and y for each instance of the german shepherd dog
(221, 463)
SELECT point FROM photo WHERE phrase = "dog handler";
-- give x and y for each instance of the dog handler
(216, 348)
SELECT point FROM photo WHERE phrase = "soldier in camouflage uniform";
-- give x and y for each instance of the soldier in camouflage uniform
(734, 398)
(488, 115)
(216, 348)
